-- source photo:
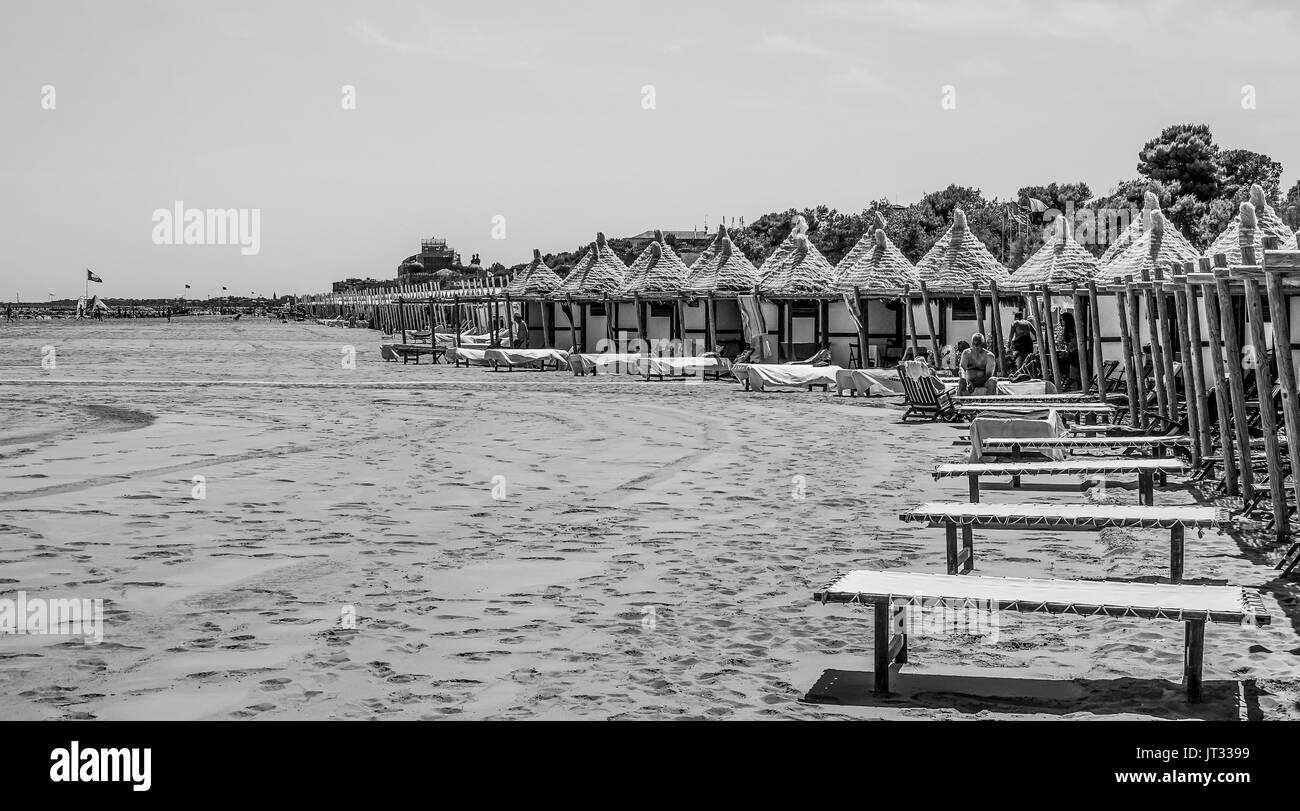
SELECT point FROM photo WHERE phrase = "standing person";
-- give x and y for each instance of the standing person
(978, 367)
(9, 312)
(1021, 339)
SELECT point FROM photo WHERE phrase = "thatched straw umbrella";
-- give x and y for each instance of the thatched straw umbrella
(1061, 262)
(1121, 243)
(721, 272)
(874, 268)
(956, 265)
(535, 283)
(1158, 246)
(1269, 224)
(597, 277)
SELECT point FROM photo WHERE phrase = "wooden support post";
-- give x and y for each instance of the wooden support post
(1135, 329)
(929, 321)
(1166, 346)
(1236, 383)
(1081, 347)
(979, 311)
(1185, 350)
(1177, 547)
(1048, 336)
(974, 488)
(573, 327)
(1222, 388)
(863, 334)
(998, 339)
(1094, 340)
(1040, 327)
(1279, 307)
(789, 332)
(1267, 417)
(1197, 367)
(909, 321)
(1193, 656)
(950, 536)
(711, 322)
(1132, 360)
(825, 323)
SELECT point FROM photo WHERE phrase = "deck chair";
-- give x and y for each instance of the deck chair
(924, 393)
(821, 357)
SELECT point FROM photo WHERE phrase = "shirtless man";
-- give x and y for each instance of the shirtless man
(1022, 337)
(978, 366)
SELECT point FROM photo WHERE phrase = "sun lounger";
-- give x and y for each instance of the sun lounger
(408, 351)
(1157, 444)
(679, 367)
(868, 382)
(954, 514)
(763, 376)
(1091, 410)
(1015, 399)
(534, 358)
(892, 594)
(1144, 468)
(583, 364)
(467, 356)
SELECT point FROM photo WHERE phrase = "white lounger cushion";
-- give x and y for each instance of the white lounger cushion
(669, 366)
(524, 357)
(464, 354)
(795, 375)
(1215, 603)
(608, 362)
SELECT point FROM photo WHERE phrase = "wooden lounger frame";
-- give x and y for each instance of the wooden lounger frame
(890, 641)
(953, 515)
(416, 350)
(1146, 470)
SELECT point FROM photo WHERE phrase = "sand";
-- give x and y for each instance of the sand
(529, 545)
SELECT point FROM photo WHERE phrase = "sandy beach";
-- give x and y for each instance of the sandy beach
(530, 546)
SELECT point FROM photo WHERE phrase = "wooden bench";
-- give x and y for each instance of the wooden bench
(1071, 517)
(893, 594)
(1144, 468)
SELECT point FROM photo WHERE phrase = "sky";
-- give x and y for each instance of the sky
(532, 121)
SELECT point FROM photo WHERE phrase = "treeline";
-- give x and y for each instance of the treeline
(1199, 185)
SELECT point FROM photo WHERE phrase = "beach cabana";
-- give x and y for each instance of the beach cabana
(586, 297)
(532, 287)
(1157, 246)
(1120, 243)
(796, 281)
(717, 280)
(872, 278)
(1268, 223)
(651, 296)
(954, 273)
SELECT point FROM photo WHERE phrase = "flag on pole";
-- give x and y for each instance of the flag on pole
(223, 288)
(1037, 205)
(91, 277)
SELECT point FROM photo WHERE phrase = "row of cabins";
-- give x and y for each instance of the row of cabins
(797, 302)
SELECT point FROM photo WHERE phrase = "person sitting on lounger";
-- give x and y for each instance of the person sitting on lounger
(977, 368)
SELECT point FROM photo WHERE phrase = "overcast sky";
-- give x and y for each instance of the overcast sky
(534, 111)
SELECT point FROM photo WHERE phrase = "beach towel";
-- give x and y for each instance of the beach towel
(991, 424)
(525, 357)
(671, 366)
(608, 363)
(755, 328)
(1026, 387)
(764, 376)
(465, 354)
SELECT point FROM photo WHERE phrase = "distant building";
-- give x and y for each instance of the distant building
(687, 244)
(356, 284)
(435, 255)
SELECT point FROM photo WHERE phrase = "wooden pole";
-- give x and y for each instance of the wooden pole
(1222, 396)
(1081, 347)
(1031, 302)
(862, 327)
(573, 328)
(909, 321)
(1094, 335)
(1280, 309)
(929, 320)
(1189, 387)
(979, 310)
(1197, 361)
(1267, 417)
(999, 339)
(1167, 347)
(711, 322)
(1236, 384)
(1049, 321)
(1131, 361)
(1157, 349)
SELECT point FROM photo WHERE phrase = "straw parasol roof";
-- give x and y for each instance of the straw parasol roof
(722, 268)
(1120, 243)
(657, 270)
(599, 273)
(959, 259)
(1269, 224)
(1061, 261)
(1159, 245)
(875, 263)
(535, 280)
(796, 267)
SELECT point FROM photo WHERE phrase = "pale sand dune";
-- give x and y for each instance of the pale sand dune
(620, 496)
